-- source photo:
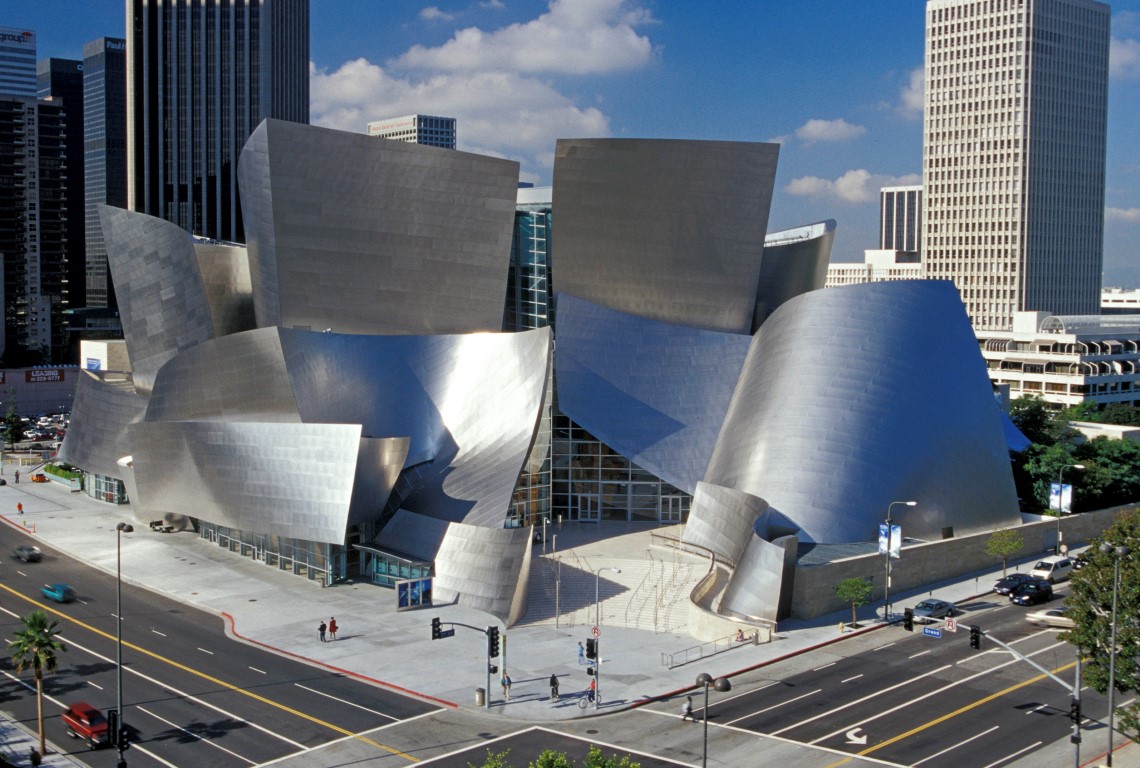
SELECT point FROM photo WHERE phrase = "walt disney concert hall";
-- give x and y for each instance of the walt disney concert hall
(350, 392)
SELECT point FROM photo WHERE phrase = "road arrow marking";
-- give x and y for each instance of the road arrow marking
(853, 739)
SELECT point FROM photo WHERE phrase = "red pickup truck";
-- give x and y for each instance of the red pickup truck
(83, 721)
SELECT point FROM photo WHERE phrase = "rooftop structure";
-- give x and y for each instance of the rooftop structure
(430, 130)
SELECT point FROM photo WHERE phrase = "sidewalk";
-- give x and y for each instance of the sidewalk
(279, 611)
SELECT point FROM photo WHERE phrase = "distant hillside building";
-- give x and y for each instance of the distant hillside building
(429, 130)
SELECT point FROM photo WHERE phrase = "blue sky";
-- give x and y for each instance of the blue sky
(837, 83)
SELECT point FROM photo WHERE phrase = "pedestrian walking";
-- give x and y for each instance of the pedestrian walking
(687, 709)
(506, 683)
(554, 687)
(321, 629)
(20, 507)
(581, 653)
(17, 477)
(332, 628)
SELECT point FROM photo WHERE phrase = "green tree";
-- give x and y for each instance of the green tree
(1033, 418)
(855, 591)
(1112, 473)
(1119, 413)
(551, 759)
(13, 427)
(1090, 607)
(36, 646)
(595, 759)
(1001, 544)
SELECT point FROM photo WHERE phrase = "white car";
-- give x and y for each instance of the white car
(1053, 617)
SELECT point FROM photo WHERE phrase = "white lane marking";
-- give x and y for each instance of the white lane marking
(955, 746)
(166, 686)
(187, 731)
(774, 706)
(848, 680)
(920, 653)
(259, 671)
(22, 574)
(344, 701)
(152, 755)
(865, 698)
(1036, 709)
(203, 650)
(160, 634)
(935, 692)
(95, 685)
(881, 647)
(825, 666)
(1001, 760)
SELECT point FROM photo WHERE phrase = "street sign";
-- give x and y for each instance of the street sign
(951, 625)
(446, 633)
(932, 632)
(596, 631)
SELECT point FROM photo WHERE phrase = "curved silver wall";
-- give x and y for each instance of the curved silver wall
(855, 397)
(795, 261)
(655, 392)
(664, 229)
(161, 295)
(365, 235)
(225, 273)
(101, 415)
(723, 520)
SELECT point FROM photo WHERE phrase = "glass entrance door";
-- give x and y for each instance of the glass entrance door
(589, 508)
(672, 509)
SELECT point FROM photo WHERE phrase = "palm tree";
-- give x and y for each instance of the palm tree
(35, 646)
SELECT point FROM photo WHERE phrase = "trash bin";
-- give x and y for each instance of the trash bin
(480, 697)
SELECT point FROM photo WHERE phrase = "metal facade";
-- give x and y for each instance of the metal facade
(795, 261)
(101, 414)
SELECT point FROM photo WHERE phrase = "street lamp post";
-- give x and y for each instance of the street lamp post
(1121, 552)
(887, 584)
(1060, 497)
(120, 529)
(723, 685)
(598, 624)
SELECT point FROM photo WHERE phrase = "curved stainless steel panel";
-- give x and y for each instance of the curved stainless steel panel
(858, 396)
(761, 584)
(225, 273)
(162, 299)
(101, 415)
(377, 470)
(293, 480)
(482, 567)
(363, 235)
(665, 229)
(656, 393)
(723, 520)
(795, 261)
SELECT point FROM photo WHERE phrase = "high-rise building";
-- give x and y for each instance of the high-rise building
(418, 129)
(201, 77)
(1014, 154)
(61, 81)
(104, 155)
(17, 62)
(900, 219)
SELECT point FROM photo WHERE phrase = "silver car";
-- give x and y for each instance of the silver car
(28, 553)
(931, 609)
(1053, 617)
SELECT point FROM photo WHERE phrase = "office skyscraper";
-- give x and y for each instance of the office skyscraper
(900, 219)
(430, 130)
(202, 75)
(17, 62)
(105, 153)
(1014, 154)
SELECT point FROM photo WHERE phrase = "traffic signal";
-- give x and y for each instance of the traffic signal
(124, 738)
(591, 648)
(589, 671)
(1075, 710)
(975, 636)
(493, 669)
(908, 620)
(436, 629)
(492, 642)
(113, 727)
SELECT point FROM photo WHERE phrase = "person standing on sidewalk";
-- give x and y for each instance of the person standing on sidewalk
(506, 683)
(581, 653)
(321, 630)
(20, 507)
(332, 628)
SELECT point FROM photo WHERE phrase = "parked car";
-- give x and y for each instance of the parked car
(1081, 560)
(61, 593)
(1032, 593)
(933, 609)
(1011, 582)
(29, 553)
(1053, 569)
(83, 721)
(1053, 617)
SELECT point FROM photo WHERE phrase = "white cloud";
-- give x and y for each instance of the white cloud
(498, 5)
(1129, 215)
(431, 13)
(1124, 58)
(857, 186)
(572, 37)
(815, 130)
(911, 95)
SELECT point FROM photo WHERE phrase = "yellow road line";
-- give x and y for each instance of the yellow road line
(210, 678)
(955, 713)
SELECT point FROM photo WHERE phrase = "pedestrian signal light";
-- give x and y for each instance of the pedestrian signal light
(591, 648)
(113, 727)
(975, 636)
(589, 670)
(492, 642)
(908, 620)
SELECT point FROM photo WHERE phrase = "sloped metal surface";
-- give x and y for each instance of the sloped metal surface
(162, 299)
(669, 230)
(795, 261)
(361, 235)
(101, 414)
(723, 520)
(858, 396)
(655, 392)
(225, 273)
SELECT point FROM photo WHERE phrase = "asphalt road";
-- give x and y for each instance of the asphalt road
(193, 697)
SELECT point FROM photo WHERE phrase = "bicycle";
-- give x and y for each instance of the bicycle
(585, 701)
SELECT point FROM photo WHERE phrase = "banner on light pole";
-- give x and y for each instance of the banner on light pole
(890, 540)
(1061, 497)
